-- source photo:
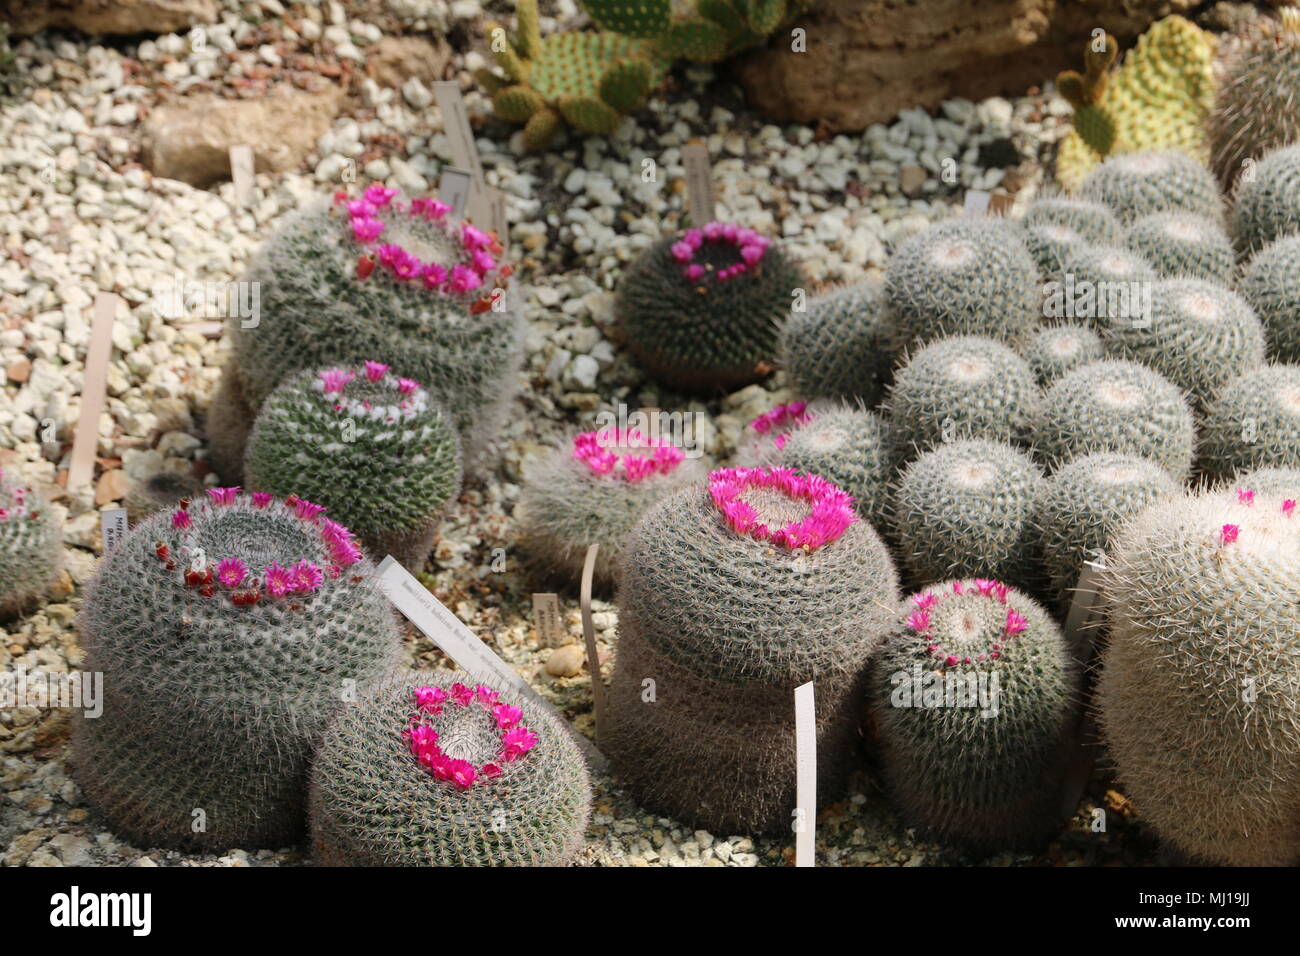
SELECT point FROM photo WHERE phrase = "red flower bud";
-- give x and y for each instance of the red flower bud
(365, 266)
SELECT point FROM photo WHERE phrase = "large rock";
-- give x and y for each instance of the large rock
(96, 17)
(189, 139)
(394, 60)
(867, 59)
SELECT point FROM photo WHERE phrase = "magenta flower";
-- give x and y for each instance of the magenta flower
(462, 773)
(463, 279)
(472, 239)
(360, 209)
(682, 252)
(507, 716)
(367, 230)
(375, 371)
(224, 496)
(830, 513)
(377, 195)
(261, 499)
(482, 261)
(430, 699)
(336, 379)
(1015, 622)
(1288, 507)
(307, 577)
(461, 694)
(433, 275)
(307, 510)
(516, 742)
(919, 621)
(1228, 533)
(231, 572)
(1246, 496)
(181, 519)
(487, 696)
(985, 586)
(490, 770)
(957, 588)
(278, 580)
(695, 272)
(429, 208)
(925, 601)
(951, 661)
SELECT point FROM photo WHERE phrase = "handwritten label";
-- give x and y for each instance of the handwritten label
(241, 173)
(805, 740)
(454, 189)
(547, 621)
(589, 636)
(112, 525)
(977, 202)
(93, 385)
(699, 183)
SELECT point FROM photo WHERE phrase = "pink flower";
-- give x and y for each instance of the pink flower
(919, 621)
(407, 385)
(516, 742)
(377, 195)
(430, 699)
(231, 572)
(507, 716)
(367, 230)
(306, 510)
(751, 254)
(1015, 622)
(472, 238)
(181, 519)
(925, 601)
(486, 696)
(1228, 533)
(307, 577)
(224, 496)
(429, 208)
(433, 275)
(957, 588)
(695, 272)
(951, 661)
(360, 209)
(336, 380)
(682, 252)
(278, 580)
(461, 694)
(462, 773)
(1288, 507)
(375, 371)
(463, 279)
(482, 261)
(1246, 496)
(261, 499)
(985, 586)
(490, 770)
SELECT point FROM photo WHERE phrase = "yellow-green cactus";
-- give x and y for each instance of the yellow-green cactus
(703, 31)
(1158, 99)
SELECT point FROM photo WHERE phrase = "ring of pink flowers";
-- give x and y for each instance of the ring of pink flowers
(831, 508)
(19, 495)
(790, 415)
(919, 620)
(751, 247)
(644, 457)
(516, 739)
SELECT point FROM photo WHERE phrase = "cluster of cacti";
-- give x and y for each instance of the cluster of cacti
(381, 279)
(1057, 349)
(1199, 695)
(592, 489)
(31, 546)
(1254, 422)
(228, 632)
(1184, 244)
(963, 509)
(1255, 106)
(1098, 285)
(835, 348)
(963, 386)
(1139, 184)
(731, 597)
(1197, 333)
(1117, 406)
(587, 80)
(1270, 282)
(702, 31)
(967, 276)
(374, 448)
(1158, 99)
(159, 492)
(1267, 202)
(972, 699)
(704, 310)
(1084, 503)
(448, 774)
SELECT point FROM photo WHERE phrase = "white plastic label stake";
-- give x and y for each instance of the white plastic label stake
(454, 189)
(699, 183)
(977, 202)
(459, 643)
(1080, 625)
(589, 638)
(455, 123)
(241, 173)
(805, 739)
(93, 385)
(113, 527)
(1085, 609)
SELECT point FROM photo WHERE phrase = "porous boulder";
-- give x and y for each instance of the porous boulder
(97, 17)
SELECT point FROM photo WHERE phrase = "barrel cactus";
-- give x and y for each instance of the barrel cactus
(1271, 284)
(228, 632)
(159, 492)
(963, 509)
(1118, 406)
(1267, 204)
(1199, 694)
(444, 770)
(1138, 184)
(31, 545)
(704, 311)
(1091, 220)
(1057, 349)
(372, 447)
(1184, 244)
(1098, 285)
(593, 489)
(1268, 480)
(973, 698)
(1254, 423)
(730, 597)
(1049, 244)
(835, 348)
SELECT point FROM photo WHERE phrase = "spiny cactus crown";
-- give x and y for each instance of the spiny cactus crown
(1184, 244)
(1138, 184)
(1267, 203)
(1092, 220)
(1057, 349)
(1254, 422)
(829, 509)
(1271, 284)
(836, 347)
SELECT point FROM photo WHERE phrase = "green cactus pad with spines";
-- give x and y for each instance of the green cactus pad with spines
(1267, 203)
(374, 804)
(1057, 349)
(213, 703)
(1116, 406)
(1084, 504)
(835, 348)
(1139, 184)
(1182, 244)
(1199, 335)
(963, 386)
(1270, 282)
(160, 491)
(644, 19)
(981, 772)
(963, 509)
(702, 31)
(1199, 694)
(31, 546)
(1254, 422)
(967, 276)
(517, 104)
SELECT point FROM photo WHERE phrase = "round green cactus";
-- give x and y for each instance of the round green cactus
(967, 276)
(1098, 285)
(1271, 284)
(963, 509)
(1199, 694)
(704, 311)
(31, 546)
(228, 632)
(1118, 406)
(1138, 184)
(1085, 502)
(1254, 423)
(963, 386)
(1057, 349)
(443, 770)
(1183, 244)
(730, 598)
(1198, 335)
(374, 448)
(1049, 244)
(1269, 481)
(973, 698)
(1267, 203)
(1092, 220)
(159, 492)
(835, 348)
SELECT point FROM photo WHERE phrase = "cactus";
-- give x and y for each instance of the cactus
(835, 348)
(1254, 422)
(447, 774)
(1198, 335)
(1117, 406)
(1270, 282)
(1139, 184)
(1269, 481)
(1085, 502)
(159, 492)
(31, 546)
(1267, 203)
(704, 311)
(973, 698)
(1057, 349)
(1199, 695)
(1158, 99)
(1049, 244)
(1182, 244)
(702, 31)
(588, 80)
(963, 509)
(1099, 285)
(228, 632)
(1254, 110)
(1092, 220)
(730, 598)
(592, 490)
(967, 276)
(333, 293)
(963, 386)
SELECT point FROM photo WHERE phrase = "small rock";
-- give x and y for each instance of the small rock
(566, 661)
(112, 486)
(911, 179)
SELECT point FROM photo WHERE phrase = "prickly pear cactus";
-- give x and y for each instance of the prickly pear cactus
(31, 546)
